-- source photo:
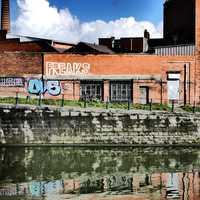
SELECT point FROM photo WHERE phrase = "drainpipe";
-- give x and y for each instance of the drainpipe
(185, 84)
(43, 71)
(161, 92)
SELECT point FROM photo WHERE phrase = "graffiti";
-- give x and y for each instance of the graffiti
(38, 189)
(119, 183)
(53, 88)
(14, 189)
(34, 188)
(11, 82)
(111, 183)
(91, 185)
(36, 86)
(56, 69)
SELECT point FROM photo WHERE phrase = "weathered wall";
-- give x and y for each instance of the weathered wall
(95, 127)
(12, 45)
(197, 42)
(145, 71)
(149, 69)
(119, 64)
(20, 63)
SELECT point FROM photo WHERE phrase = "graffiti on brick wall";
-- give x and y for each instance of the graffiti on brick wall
(110, 183)
(37, 86)
(33, 188)
(11, 82)
(59, 69)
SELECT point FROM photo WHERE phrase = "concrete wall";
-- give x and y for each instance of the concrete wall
(22, 126)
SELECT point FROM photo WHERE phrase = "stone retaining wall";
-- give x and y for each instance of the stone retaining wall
(44, 126)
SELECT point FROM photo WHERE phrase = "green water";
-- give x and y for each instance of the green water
(78, 173)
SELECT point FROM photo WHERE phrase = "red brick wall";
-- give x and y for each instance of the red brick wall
(15, 45)
(30, 64)
(197, 70)
(106, 90)
(150, 65)
(18, 64)
(122, 64)
(71, 89)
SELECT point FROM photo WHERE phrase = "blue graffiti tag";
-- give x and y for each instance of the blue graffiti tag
(36, 86)
(53, 88)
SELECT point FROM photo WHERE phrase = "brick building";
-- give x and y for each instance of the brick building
(34, 66)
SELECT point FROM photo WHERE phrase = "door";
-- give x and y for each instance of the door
(173, 84)
(144, 95)
(173, 89)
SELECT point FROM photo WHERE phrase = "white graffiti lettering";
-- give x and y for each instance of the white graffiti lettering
(57, 69)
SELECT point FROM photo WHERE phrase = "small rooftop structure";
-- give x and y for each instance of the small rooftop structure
(127, 44)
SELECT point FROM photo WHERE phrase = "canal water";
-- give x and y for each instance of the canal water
(100, 174)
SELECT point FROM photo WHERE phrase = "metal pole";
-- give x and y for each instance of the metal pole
(172, 105)
(107, 103)
(39, 100)
(27, 99)
(17, 99)
(150, 105)
(161, 91)
(194, 107)
(85, 103)
(129, 104)
(63, 101)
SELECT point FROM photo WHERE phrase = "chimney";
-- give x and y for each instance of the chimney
(146, 34)
(5, 15)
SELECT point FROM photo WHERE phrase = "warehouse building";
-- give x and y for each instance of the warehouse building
(117, 70)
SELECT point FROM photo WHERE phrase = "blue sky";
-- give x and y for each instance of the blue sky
(88, 11)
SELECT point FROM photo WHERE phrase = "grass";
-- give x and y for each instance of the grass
(189, 108)
(82, 104)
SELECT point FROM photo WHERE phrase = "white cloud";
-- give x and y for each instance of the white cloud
(39, 18)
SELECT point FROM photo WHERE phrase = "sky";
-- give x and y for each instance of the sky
(86, 20)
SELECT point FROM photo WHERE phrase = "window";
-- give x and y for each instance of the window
(91, 90)
(121, 91)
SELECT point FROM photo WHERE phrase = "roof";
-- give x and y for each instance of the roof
(55, 45)
(84, 47)
(100, 48)
(24, 38)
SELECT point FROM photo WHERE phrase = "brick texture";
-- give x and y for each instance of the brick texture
(20, 64)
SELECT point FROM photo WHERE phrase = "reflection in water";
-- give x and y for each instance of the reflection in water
(72, 173)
